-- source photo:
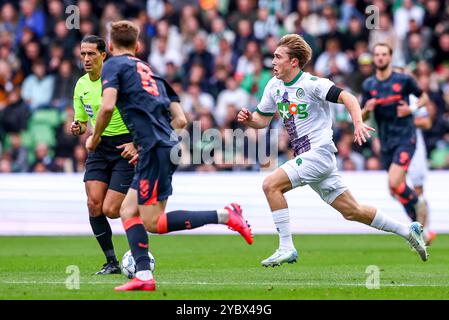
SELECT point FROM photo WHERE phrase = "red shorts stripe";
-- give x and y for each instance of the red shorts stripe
(153, 198)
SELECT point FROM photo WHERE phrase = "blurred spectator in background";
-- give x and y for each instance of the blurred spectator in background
(56, 53)
(15, 114)
(244, 36)
(196, 101)
(56, 12)
(245, 11)
(442, 51)
(65, 38)
(38, 87)
(219, 32)
(66, 143)
(406, 12)
(417, 50)
(19, 154)
(161, 55)
(345, 153)
(29, 52)
(349, 13)
(8, 20)
(200, 55)
(30, 17)
(363, 71)
(65, 81)
(373, 163)
(5, 165)
(245, 64)
(254, 83)
(265, 25)
(332, 61)
(43, 161)
(232, 95)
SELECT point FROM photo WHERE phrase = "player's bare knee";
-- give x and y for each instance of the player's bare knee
(353, 212)
(268, 185)
(111, 211)
(95, 207)
(126, 213)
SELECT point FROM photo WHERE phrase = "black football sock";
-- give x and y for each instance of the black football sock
(408, 198)
(103, 233)
(138, 243)
(182, 220)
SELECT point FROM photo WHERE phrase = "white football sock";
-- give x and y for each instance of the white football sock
(281, 220)
(386, 223)
(223, 216)
(144, 275)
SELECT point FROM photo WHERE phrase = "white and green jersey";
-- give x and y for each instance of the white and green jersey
(302, 105)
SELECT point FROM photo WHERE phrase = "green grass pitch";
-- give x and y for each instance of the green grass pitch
(225, 267)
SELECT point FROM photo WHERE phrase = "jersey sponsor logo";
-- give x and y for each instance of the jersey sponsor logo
(287, 109)
(298, 161)
(300, 93)
(373, 93)
(313, 78)
(389, 99)
(396, 87)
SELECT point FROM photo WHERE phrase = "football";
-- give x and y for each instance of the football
(128, 264)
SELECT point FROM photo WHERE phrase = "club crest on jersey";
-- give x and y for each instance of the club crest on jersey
(300, 93)
(278, 93)
(396, 87)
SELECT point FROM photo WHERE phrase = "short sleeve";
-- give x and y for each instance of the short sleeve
(172, 95)
(412, 87)
(322, 87)
(267, 105)
(110, 75)
(78, 107)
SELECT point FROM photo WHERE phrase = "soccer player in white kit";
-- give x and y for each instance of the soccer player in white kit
(302, 101)
(418, 169)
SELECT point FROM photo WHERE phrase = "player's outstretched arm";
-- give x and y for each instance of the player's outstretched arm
(179, 120)
(103, 117)
(361, 130)
(253, 119)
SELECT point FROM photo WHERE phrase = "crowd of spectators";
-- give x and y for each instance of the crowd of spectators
(217, 55)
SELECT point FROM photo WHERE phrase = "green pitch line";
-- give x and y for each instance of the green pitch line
(225, 267)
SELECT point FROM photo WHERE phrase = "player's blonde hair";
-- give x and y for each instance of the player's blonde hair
(297, 48)
(124, 34)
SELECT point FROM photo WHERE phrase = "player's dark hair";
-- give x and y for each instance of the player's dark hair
(124, 34)
(383, 44)
(101, 45)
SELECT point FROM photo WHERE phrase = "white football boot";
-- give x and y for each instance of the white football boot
(416, 240)
(281, 256)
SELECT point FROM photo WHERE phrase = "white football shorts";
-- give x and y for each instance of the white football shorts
(318, 169)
